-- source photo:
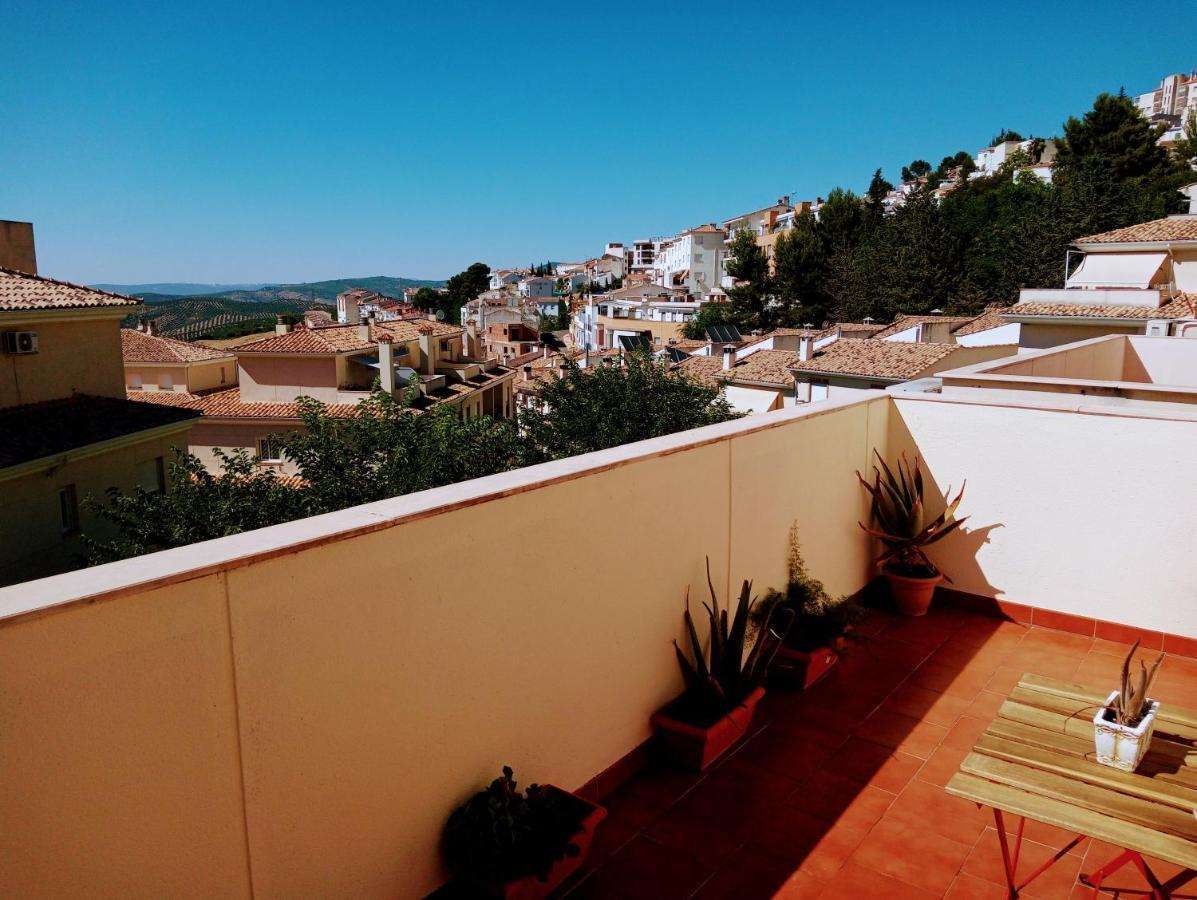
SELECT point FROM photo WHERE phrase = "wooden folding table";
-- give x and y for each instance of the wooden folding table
(1036, 760)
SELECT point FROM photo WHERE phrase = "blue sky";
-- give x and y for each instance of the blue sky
(300, 141)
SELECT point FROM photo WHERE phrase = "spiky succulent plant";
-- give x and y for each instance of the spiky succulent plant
(899, 518)
(1130, 705)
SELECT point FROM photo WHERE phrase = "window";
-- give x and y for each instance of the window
(134, 381)
(222, 374)
(68, 509)
(269, 450)
(444, 346)
(166, 382)
(151, 475)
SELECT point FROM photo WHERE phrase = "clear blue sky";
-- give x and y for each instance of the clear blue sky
(300, 141)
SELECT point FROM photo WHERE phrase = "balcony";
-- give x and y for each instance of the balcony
(294, 711)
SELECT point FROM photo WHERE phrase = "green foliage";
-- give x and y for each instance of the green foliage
(462, 288)
(750, 296)
(1115, 136)
(608, 405)
(428, 299)
(501, 834)
(718, 681)
(820, 620)
(899, 520)
(560, 320)
(1005, 135)
(199, 506)
(708, 315)
(800, 260)
(1130, 706)
(1186, 146)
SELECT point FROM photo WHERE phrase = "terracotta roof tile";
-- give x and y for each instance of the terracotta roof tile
(901, 323)
(22, 291)
(37, 430)
(870, 358)
(227, 404)
(139, 347)
(991, 318)
(1180, 308)
(344, 338)
(1173, 228)
(764, 366)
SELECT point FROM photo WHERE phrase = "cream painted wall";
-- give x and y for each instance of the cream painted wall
(206, 436)
(74, 357)
(1055, 522)
(1039, 336)
(280, 379)
(374, 682)
(193, 378)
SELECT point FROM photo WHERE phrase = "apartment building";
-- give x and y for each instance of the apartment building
(631, 310)
(508, 340)
(692, 261)
(765, 224)
(156, 363)
(1136, 280)
(1172, 98)
(536, 286)
(338, 366)
(67, 432)
(357, 302)
(642, 255)
(500, 278)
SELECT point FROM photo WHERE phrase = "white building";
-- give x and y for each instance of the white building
(693, 260)
(1173, 97)
(991, 159)
(537, 286)
(633, 310)
(642, 254)
(500, 278)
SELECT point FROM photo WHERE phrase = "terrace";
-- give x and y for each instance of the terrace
(295, 711)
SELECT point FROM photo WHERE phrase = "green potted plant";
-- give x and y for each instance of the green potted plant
(821, 629)
(722, 685)
(1122, 728)
(899, 521)
(519, 845)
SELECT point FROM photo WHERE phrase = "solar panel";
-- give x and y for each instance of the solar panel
(632, 342)
(724, 334)
(676, 355)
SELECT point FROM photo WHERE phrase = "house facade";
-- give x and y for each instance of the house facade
(692, 261)
(156, 363)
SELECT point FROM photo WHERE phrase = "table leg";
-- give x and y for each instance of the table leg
(1126, 857)
(1010, 860)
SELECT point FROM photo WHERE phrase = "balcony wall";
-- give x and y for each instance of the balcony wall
(296, 710)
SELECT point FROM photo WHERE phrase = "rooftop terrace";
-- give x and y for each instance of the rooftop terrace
(295, 711)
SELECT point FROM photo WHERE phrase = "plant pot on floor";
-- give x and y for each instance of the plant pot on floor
(912, 594)
(696, 747)
(529, 887)
(1121, 746)
(796, 670)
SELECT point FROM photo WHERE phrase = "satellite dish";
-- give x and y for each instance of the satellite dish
(440, 315)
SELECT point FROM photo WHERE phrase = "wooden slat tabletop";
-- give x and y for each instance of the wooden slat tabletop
(1036, 759)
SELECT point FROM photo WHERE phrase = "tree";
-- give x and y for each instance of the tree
(1115, 136)
(711, 314)
(1186, 145)
(875, 196)
(428, 299)
(383, 449)
(746, 263)
(462, 288)
(800, 263)
(1004, 135)
(841, 220)
(608, 405)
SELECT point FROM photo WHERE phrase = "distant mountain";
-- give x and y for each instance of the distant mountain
(325, 291)
(177, 289)
(191, 318)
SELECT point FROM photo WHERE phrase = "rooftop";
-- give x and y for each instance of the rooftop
(873, 358)
(761, 366)
(139, 347)
(903, 322)
(227, 403)
(37, 430)
(1179, 308)
(1172, 228)
(20, 291)
(345, 338)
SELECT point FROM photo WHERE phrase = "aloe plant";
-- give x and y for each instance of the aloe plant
(736, 664)
(899, 517)
(1131, 703)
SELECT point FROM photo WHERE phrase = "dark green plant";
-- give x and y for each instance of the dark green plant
(719, 680)
(899, 518)
(501, 834)
(820, 620)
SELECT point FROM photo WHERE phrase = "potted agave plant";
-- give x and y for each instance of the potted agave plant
(519, 845)
(899, 521)
(723, 685)
(1122, 728)
(822, 626)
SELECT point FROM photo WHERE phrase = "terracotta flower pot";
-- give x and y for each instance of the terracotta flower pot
(530, 887)
(798, 669)
(696, 748)
(911, 595)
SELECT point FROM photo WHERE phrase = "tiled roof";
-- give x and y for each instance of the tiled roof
(765, 366)
(1173, 228)
(901, 323)
(21, 291)
(37, 430)
(1180, 308)
(870, 358)
(139, 347)
(227, 404)
(344, 338)
(991, 318)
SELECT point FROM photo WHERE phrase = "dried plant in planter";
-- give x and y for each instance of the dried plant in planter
(736, 665)
(1131, 704)
(820, 620)
(500, 834)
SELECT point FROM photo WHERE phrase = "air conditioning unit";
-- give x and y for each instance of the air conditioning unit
(1157, 327)
(20, 342)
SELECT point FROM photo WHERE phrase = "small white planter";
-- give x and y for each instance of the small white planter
(1118, 745)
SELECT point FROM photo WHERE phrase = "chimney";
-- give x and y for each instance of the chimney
(729, 357)
(151, 327)
(427, 352)
(386, 363)
(16, 246)
(141, 323)
(805, 344)
(363, 328)
(527, 371)
(281, 327)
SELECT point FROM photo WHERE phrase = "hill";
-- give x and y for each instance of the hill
(177, 288)
(191, 318)
(328, 290)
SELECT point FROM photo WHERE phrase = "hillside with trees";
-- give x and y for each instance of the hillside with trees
(978, 245)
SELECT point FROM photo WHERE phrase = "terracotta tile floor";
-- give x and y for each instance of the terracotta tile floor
(838, 792)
